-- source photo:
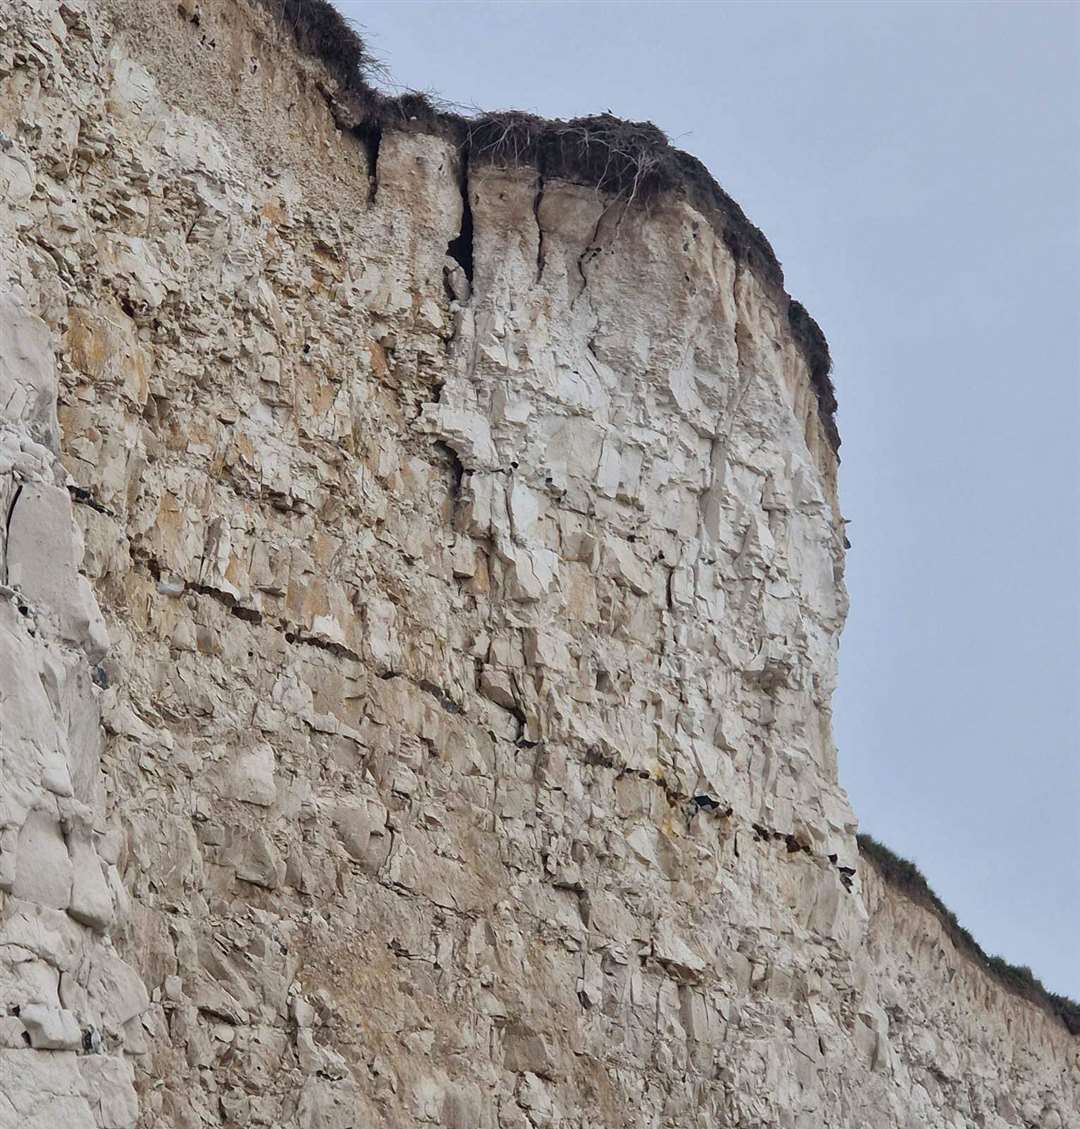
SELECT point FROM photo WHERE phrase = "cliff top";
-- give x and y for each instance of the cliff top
(633, 160)
(903, 875)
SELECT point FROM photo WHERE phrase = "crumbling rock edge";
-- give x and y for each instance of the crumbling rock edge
(903, 875)
(634, 161)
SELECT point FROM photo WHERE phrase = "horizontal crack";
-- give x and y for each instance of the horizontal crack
(295, 634)
(594, 756)
(85, 497)
(705, 803)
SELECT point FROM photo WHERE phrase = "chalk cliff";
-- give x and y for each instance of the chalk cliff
(420, 584)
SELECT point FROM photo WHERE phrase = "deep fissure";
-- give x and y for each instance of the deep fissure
(460, 248)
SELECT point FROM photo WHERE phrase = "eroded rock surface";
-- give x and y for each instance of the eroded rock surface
(415, 673)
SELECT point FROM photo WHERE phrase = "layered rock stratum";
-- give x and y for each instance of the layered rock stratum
(420, 584)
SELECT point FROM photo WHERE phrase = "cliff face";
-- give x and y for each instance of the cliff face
(415, 669)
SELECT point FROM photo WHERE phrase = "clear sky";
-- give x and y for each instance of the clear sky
(917, 169)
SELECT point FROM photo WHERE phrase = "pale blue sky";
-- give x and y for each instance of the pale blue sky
(917, 168)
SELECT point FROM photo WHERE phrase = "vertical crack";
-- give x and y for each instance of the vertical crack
(370, 137)
(7, 532)
(592, 249)
(456, 467)
(460, 248)
(537, 200)
(710, 502)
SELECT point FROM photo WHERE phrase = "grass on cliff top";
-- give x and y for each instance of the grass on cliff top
(903, 875)
(629, 160)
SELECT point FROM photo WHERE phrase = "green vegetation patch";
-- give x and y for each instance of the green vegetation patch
(903, 875)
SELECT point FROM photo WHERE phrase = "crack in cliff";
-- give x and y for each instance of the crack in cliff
(704, 803)
(438, 693)
(7, 532)
(295, 635)
(84, 496)
(370, 137)
(795, 845)
(592, 249)
(456, 466)
(538, 199)
(460, 248)
(709, 507)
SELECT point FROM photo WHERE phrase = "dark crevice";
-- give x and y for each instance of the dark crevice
(457, 475)
(428, 687)
(598, 757)
(11, 509)
(537, 200)
(457, 468)
(369, 135)
(85, 497)
(249, 615)
(460, 248)
(338, 650)
(440, 695)
(151, 563)
(225, 598)
(7, 530)
(518, 714)
(710, 804)
(592, 249)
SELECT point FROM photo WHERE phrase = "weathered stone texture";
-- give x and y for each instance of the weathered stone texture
(464, 749)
